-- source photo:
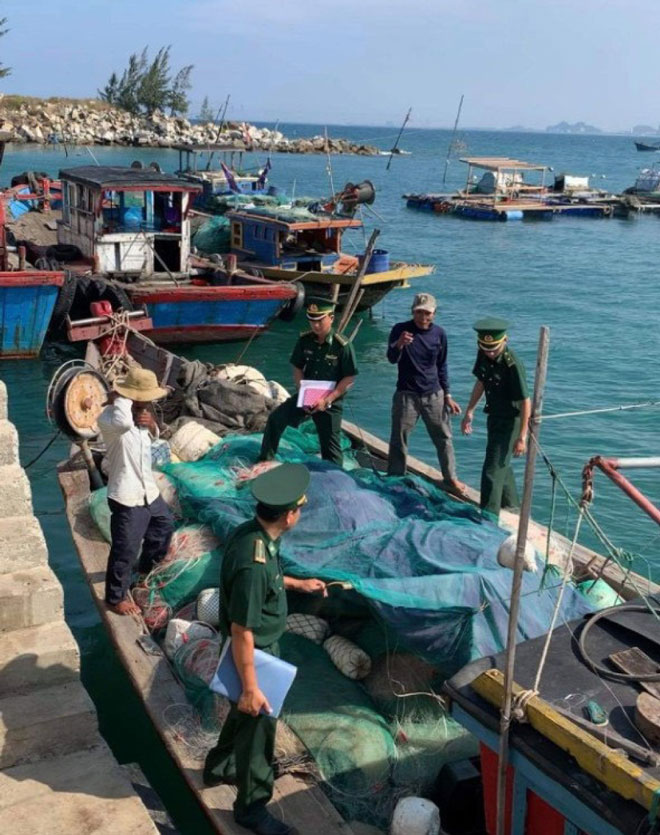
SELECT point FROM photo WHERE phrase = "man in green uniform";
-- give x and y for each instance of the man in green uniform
(253, 610)
(501, 376)
(319, 354)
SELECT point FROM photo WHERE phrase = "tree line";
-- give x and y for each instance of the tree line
(145, 86)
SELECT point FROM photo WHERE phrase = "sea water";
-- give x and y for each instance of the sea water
(593, 282)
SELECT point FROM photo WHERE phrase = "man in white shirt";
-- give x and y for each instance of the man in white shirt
(141, 523)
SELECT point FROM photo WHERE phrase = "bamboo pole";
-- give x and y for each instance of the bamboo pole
(453, 137)
(352, 301)
(516, 583)
(398, 139)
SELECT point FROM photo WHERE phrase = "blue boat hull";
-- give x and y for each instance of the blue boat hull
(26, 304)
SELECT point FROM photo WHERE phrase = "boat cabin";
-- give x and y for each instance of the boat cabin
(227, 177)
(127, 220)
(502, 177)
(293, 239)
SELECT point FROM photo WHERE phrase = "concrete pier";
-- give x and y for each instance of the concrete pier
(57, 775)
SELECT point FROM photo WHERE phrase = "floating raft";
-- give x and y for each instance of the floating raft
(503, 210)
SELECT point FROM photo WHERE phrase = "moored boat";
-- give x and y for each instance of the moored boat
(393, 597)
(644, 146)
(296, 244)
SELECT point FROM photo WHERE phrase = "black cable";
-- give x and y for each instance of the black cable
(598, 668)
(48, 445)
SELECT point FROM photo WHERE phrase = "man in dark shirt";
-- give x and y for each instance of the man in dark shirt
(319, 354)
(419, 347)
(501, 377)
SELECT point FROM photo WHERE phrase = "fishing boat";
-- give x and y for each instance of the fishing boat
(377, 588)
(643, 146)
(123, 235)
(227, 177)
(297, 244)
(503, 194)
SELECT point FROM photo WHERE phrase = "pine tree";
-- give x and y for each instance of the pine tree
(3, 70)
(178, 99)
(154, 90)
(205, 113)
(131, 79)
(110, 92)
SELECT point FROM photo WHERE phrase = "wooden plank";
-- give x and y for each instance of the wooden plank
(302, 804)
(611, 767)
(647, 717)
(585, 561)
(636, 662)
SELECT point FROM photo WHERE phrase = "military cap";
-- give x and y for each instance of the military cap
(318, 307)
(424, 301)
(282, 488)
(491, 331)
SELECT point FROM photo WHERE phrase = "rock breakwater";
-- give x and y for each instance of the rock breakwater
(91, 122)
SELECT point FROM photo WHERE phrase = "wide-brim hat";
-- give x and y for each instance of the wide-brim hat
(139, 384)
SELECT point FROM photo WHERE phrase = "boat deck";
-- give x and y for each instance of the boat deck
(300, 802)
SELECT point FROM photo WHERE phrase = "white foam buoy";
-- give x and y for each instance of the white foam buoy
(192, 440)
(506, 554)
(208, 606)
(347, 657)
(309, 626)
(415, 816)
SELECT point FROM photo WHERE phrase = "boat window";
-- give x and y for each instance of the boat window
(237, 235)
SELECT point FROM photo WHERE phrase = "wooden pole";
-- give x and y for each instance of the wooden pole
(396, 144)
(351, 302)
(516, 584)
(453, 136)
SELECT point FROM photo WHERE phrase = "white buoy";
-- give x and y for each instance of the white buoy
(506, 555)
(415, 816)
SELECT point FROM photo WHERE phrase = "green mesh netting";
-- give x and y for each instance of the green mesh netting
(213, 236)
(100, 511)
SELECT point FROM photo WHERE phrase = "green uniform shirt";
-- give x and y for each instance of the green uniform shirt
(332, 359)
(504, 382)
(252, 585)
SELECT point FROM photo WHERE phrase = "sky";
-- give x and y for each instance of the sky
(531, 63)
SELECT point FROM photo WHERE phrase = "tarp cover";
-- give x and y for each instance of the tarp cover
(425, 563)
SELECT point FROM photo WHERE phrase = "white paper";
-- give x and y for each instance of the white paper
(322, 386)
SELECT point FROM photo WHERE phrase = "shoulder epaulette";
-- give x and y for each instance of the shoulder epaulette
(259, 553)
(509, 358)
(341, 340)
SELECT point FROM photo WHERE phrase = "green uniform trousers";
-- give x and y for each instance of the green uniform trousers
(498, 487)
(328, 425)
(244, 754)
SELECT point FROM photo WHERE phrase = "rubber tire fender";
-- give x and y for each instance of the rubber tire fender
(63, 252)
(293, 307)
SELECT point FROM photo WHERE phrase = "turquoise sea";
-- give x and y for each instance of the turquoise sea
(593, 282)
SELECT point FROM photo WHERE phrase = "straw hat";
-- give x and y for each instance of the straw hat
(139, 384)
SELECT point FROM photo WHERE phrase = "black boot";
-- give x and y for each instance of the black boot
(262, 822)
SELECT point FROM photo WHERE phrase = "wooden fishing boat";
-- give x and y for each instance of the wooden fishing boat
(288, 244)
(124, 237)
(299, 800)
(644, 146)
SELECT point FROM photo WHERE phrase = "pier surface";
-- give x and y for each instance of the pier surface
(57, 775)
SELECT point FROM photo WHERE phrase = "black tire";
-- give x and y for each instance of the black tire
(63, 253)
(57, 326)
(293, 307)
(75, 297)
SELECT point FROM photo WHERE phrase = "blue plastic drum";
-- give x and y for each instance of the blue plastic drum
(379, 261)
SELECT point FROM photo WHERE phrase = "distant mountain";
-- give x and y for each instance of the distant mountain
(576, 127)
(645, 130)
(519, 129)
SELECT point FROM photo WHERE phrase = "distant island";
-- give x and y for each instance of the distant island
(576, 127)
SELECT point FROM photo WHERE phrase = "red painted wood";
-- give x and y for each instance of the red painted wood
(203, 333)
(31, 279)
(211, 294)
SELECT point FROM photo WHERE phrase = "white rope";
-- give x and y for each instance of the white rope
(602, 411)
(568, 572)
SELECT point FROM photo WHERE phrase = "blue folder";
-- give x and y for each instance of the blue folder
(274, 677)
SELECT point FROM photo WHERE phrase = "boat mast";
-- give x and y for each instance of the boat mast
(516, 583)
(221, 126)
(453, 137)
(396, 144)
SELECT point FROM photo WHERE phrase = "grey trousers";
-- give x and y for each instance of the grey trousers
(407, 408)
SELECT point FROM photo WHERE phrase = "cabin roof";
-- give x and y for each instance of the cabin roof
(114, 177)
(279, 218)
(236, 145)
(502, 164)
